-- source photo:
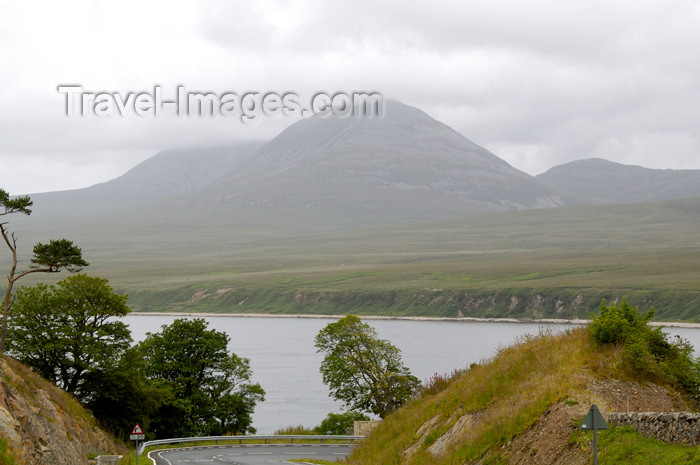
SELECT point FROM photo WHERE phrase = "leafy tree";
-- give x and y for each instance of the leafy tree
(121, 396)
(67, 331)
(338, 423)
(48, 258)
(210, 392)
(363, 371)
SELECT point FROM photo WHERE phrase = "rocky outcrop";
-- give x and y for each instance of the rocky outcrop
(45, 426)
(675, 428)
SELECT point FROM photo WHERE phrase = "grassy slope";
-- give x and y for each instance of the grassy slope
(647, 252)
(32, 382)
(506, 397)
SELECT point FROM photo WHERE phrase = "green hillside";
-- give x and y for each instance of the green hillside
(525, 406)
(535, 263)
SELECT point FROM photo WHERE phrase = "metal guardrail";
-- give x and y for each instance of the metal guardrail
(241, 439)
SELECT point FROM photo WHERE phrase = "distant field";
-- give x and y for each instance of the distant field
(556, 262)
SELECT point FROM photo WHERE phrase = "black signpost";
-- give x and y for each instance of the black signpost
(594, 421)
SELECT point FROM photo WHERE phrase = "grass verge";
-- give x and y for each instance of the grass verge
(624, 445)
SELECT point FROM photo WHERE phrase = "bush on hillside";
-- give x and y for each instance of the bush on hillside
(647, 350)
(614, 325)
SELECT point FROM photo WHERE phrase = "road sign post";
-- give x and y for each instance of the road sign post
(137, 435)
(594, 421)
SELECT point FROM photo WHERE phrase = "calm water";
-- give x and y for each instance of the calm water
(285, 363)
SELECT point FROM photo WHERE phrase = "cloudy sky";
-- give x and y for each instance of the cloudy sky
(538, 83)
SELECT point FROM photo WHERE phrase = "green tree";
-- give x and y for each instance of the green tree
(68, 330)
(210, 388)
(338, 423)
(121, 396)
(363, 371)
(48, 258)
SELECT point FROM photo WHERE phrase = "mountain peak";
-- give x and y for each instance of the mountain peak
(404, 162)
(400, 125)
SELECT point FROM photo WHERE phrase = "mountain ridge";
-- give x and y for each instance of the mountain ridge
(319, 173)
(606, 182)
(404, 164)
(402, 167)
(166, 174)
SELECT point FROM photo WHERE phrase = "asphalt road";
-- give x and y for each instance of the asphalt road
(252, 454)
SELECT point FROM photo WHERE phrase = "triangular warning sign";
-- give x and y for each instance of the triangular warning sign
(594, 420)
(137, 429)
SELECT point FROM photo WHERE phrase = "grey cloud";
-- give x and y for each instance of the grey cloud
(539, 82)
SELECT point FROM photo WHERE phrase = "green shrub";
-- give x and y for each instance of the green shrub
(615, 324)
(637, 355)
(647, 350)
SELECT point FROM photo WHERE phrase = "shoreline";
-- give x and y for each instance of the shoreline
(556, 321)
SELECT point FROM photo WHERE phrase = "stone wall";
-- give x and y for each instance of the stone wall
(676, 427)
(363, 428)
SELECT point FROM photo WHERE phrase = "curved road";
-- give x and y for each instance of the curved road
(250, 454)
